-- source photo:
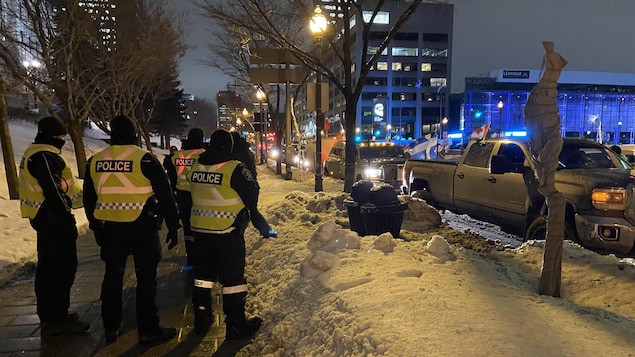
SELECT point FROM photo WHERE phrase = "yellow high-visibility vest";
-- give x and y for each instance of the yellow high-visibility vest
(31, 195)
(183, 161)
(122, 189)
(215, 204)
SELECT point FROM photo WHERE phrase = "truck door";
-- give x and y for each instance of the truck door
(506, 197)
(469, 179)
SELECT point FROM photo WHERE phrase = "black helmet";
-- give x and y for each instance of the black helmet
(221, 140)
(51, 127)
(123, 131)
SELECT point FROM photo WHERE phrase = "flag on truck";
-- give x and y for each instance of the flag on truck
(479, 133)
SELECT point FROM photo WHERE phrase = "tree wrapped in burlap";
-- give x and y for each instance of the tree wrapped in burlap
(545, 143)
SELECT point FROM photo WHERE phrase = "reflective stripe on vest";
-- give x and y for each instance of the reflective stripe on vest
(183, 161)
(122, 189)
(31, 195)
(215, 204)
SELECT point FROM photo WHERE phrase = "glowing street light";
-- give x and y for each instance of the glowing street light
(500, 115)
(318, 26)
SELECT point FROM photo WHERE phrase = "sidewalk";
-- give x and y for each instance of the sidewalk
(19, 323)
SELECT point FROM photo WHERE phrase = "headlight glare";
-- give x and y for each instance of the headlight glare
(610, 199)
(373, 173)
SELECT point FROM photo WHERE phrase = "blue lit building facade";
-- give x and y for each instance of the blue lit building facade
(595, 105)
(405, 94)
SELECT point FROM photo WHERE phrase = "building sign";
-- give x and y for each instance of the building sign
(515, 74)
(379, 105)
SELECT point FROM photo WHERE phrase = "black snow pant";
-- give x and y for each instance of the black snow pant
(56, 268)
(145, 247)
(220, 258)
(184, 199)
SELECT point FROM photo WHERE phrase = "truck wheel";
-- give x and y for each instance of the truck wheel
(537, 230)
(326, 172)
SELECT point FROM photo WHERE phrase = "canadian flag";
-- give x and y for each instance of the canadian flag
(479, 133)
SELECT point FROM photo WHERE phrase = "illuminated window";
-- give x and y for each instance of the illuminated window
(432, 52)
(404, 51)
(372, 50)
(382, 17)
(426, 67)
(438, 82)
(382, 66)
(396, 66)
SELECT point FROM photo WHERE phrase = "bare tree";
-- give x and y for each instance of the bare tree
(58, 40)
(7, 148)
(141, 72)
(268, 20)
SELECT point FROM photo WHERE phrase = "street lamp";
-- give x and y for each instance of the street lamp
(388, 131)
(500, 117)
(318, 25)
(443, 138)
(263, 126)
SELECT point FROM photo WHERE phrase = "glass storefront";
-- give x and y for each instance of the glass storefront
(590, 115)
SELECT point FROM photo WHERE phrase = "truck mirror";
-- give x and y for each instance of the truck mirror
(498, 165)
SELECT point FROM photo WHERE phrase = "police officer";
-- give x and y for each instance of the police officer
(224, 194)
(48, 192)
(125, 189)
(177, 170)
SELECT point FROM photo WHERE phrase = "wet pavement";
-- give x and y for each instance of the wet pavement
(19, 323)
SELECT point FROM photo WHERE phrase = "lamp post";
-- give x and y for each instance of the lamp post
(500, 117)
(263, 126)
(318, 25)
(444, 121)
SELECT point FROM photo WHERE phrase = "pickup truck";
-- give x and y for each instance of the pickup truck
(494, 181)
(374, 161)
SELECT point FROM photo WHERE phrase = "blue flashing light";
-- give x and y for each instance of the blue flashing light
(358, 138)
(518, 134)
(455, 135)
(377, 132)
(477, 114)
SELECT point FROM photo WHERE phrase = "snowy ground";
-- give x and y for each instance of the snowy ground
(324, 291)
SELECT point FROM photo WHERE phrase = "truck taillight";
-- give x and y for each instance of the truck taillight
(609, 198)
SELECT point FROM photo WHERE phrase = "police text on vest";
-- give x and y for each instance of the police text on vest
(113, 166)
(213, 178)
(184, 162)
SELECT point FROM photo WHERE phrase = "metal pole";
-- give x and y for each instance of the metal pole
(288, 159)
(319, 123)
(263, 142)
(440, 90)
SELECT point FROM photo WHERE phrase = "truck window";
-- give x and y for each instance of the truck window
(587, 156)
(514, 155)
(478, 154)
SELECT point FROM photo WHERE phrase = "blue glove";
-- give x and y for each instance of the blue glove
(271, 233)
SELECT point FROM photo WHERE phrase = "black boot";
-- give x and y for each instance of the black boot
(236, 325)
(202, 304)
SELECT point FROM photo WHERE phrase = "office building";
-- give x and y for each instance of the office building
(405, 93)
(595, 105)
(229, 108)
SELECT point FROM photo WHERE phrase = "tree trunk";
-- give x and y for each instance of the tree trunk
(77, 137)
(7, 147)
(349, 167)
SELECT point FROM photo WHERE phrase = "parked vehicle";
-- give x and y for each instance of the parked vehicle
(377, 162)
(494, 181)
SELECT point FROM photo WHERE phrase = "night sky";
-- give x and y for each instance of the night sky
(593, 35)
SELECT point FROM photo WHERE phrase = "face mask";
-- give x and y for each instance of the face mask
(58, 143)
